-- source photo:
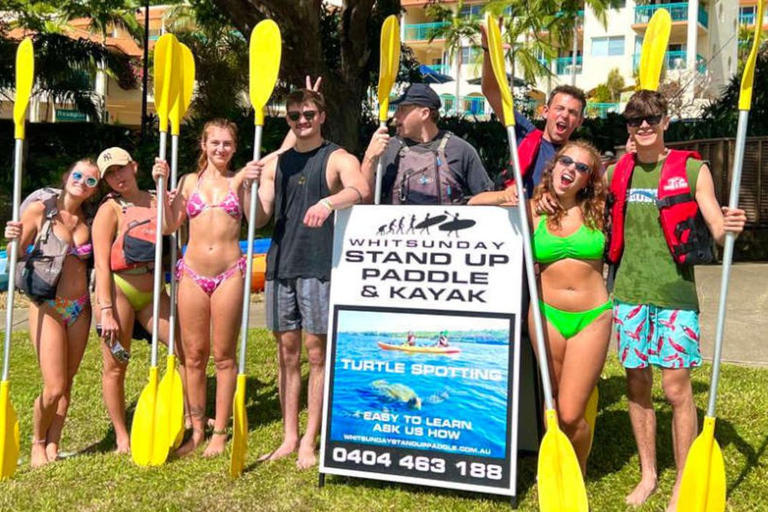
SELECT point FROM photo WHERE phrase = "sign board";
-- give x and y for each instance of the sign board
(422, 375)
(69, 115)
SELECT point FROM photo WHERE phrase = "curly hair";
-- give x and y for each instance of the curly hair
(202, 160)
(592, 197)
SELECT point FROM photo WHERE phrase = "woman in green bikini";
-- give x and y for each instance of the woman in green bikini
(124, 253)
(568, 248)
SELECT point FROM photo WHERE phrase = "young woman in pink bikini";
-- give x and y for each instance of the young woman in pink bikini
(210, 275)
(59, 327)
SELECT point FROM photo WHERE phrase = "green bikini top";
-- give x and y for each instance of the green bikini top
(583, 244)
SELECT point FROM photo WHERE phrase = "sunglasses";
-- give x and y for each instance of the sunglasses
(308, 115)
(90, 181)
(568, 161)
(636, 122)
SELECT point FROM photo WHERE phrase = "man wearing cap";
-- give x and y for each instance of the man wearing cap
(423, 164)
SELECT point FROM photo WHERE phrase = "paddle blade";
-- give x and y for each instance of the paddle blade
(167, 83)
(187, 76)
(590, 414)
(389, 63)
(149, 440)
(25, 76)
(654, 48)
(703, 486)
(9, 433)
(264, 65)
(561, 486)
(239, 430)
(745, 95)
(496, 54)
(171, 408)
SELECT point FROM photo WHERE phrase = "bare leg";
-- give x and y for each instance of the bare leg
(194, 309)
(643, 418)
(113, 376)
(584, 360)
(677, 388)
(289, 387)
(77, 338)
(226, 325)
(315, 344)
(49, 338)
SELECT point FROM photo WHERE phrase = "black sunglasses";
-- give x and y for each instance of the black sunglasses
(636, 122)
(308, 115)
(568, 161)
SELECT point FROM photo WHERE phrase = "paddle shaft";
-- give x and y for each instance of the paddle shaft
(14, 257)
(174, 248)
(730, 239)
(249, 254)
(379, 170)
(158, 282)
(529, 271)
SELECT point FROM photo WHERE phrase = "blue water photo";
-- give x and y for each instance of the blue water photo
(451, 398)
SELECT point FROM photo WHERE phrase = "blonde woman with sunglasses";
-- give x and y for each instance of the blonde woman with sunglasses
(58, 326)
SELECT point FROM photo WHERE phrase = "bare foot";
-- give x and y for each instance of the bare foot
(672, 505)
(307, 457)
(216, 444)
(38, 457)
(284, 450)
(123, 445)
(191, 444)
(52, 451)
(641, 493)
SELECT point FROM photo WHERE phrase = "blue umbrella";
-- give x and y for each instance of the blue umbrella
(430, 76)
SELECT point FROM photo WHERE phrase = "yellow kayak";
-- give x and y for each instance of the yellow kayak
(420, 350)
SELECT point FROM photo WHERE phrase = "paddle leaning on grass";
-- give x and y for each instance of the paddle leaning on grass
(58, 325)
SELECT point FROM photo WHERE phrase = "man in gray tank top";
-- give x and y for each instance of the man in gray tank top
(423, 164)
(302, 187)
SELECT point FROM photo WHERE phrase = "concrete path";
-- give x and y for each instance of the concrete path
(746, 327)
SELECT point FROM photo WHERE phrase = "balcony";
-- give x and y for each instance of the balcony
(676, 61)
(422, 31)
(602, 109)
(678, 11)
(443, 69)
(564, 64)
(747, 18)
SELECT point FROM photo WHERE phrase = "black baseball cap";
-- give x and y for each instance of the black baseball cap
(419, 94)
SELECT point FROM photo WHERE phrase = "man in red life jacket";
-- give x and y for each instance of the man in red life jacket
(663, 207)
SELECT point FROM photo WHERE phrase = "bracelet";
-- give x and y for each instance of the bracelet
(105, 306)
(485, 48)
(359, 195)
(327, 203)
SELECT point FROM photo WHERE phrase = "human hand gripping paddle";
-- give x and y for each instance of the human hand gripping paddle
(264, 65)
(561, 486)
(389, 63)
(703, 487)
(149, 432)
(170, 390)
(9, 422)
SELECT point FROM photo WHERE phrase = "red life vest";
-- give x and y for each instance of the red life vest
(527, 152)
(687, 235)
(134, 244)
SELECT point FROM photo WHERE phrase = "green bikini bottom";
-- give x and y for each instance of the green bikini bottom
(571, 323)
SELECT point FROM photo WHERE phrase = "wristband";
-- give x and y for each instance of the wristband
(327, 203)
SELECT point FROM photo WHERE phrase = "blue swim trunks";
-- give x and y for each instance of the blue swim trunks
(650, 335)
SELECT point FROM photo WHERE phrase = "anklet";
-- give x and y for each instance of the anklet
(39, 441)
(222, 432)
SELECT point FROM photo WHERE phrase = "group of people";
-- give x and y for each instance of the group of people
(649, 217)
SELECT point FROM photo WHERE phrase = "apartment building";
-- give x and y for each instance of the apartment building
(701, 55)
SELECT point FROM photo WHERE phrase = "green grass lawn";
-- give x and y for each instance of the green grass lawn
(98, 480)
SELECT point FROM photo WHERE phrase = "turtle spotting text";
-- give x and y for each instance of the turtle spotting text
(368, 365)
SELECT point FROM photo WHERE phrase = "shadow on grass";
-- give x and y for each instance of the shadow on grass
(725, 434)
(109, 442)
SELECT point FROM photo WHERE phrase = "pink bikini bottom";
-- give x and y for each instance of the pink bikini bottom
(209, 284)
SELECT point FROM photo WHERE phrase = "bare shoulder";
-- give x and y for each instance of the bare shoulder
(342, 159)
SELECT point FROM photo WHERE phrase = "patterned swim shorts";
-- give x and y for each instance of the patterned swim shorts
(650, 335)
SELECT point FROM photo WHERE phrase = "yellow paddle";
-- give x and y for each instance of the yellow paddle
(703, 486)
(654, 47)
(590, 414)
(561, 486)
(264, 59)
(9, 422)
(170, 389)
(389, 63)
(149, 432)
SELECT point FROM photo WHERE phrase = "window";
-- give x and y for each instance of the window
(473, 11)
(607, 46)
(469, 54)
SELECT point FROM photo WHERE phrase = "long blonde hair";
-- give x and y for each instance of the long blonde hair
(591, 198)
(202, 160)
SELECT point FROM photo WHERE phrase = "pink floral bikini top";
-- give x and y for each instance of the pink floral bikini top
(197, 205)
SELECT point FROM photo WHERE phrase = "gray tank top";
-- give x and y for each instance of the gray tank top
(296, 250)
